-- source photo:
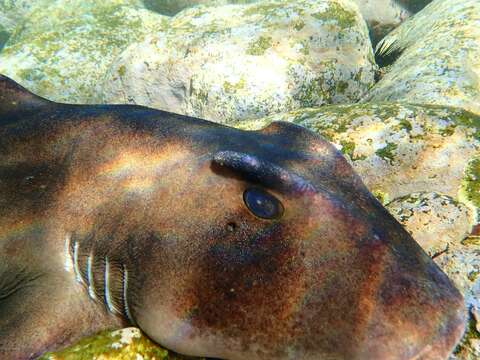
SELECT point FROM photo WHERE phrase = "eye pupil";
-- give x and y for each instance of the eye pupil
(262, 204)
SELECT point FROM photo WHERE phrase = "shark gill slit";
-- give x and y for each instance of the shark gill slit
(126, 307)
(103, 289)
(90, 279)
(116, 298)
(76, 268)
(108, 296)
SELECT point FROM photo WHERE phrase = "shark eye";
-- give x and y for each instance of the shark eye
(262, 204)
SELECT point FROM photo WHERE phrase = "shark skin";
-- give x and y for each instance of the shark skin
(214, 241)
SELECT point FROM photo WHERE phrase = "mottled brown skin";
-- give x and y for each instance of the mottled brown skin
(155, 201)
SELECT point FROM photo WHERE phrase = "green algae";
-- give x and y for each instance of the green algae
(4, 36)
(469, 191)
(345, 19)
(234, 87)
(470, 120)
(258, 47)
(122, 70)
(405, 124)
(261, 9)
(387, 152)
(381, 196)
(298, 25)
(109, 345)
(471, 333)
(348, 148)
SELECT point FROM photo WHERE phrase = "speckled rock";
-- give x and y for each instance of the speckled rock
(246, 61)
(172, 7)
(442, 226)
(382, 16)
(462, 264)
(64, 48)
(440, 62)
(13, 12)
(125, 344)
(399, 149)
(434, 220)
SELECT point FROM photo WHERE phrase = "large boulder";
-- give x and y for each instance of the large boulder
(399, 149)
(383, 16)
(173, 7)
(246, 61)
(436, 57)
(65, 47)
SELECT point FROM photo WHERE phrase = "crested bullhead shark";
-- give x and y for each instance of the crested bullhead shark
(214, 241)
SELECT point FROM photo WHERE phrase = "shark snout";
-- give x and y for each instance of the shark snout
(412, 310)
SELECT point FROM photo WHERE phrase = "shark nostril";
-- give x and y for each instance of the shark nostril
(232, 226)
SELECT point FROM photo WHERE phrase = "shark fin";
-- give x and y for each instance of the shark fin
(16, 101)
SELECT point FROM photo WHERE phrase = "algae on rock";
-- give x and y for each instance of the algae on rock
(439, 60)
(63, 49)
(397, 149)
(448, 221)
(173, 7)
(246, 61)
(125, 344)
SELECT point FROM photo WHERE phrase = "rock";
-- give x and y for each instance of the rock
(12, 12)
(438, 57)
(434, 220)
(172, 7)
(382, 16)
(399, 149)
(441, 226)
(125, 344)
(462, 264)
(63, 50)
(247, 61)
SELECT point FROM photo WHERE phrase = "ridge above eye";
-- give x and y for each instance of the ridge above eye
(262, 204)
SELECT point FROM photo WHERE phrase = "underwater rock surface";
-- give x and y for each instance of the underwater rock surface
(64, 48)
(440, 57)
(398, 149)
(125, 344)
(382, 16)
(446, 219)
(235, 62)
(173, 7)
